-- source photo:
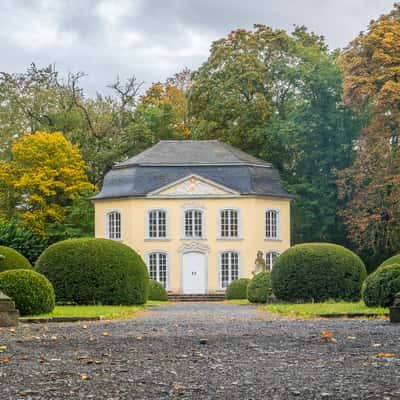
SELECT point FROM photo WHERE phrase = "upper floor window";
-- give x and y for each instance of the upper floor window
(158, 267)
(113, 221)
(157, 224)
(229, 223)
(193, 224)
(272, 224)
(270, 258)
(229, 268)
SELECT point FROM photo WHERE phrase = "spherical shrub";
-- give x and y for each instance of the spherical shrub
(260, 289)
(11, 259)
(32, 292)
(392, 260)
(237, 289)
(157, 291)
(380, 288)
(318, 272)
(95, 271)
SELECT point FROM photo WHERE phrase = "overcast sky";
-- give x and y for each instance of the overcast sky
(153, 39)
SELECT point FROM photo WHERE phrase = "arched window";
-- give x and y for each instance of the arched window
(229, 223)
(113, 228)
(193, 224)
(157, 224)
(229, 268)
(270, 258)
(272, 224)
(158, 267)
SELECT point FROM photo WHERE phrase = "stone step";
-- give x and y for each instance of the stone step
(197, 297)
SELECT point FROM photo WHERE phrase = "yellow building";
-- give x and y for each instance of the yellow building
(198, 212)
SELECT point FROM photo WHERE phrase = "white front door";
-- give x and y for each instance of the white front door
(194, 273)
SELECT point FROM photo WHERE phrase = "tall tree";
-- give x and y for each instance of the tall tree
(278, 96)
(371, 186)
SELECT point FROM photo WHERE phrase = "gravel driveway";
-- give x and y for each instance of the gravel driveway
(248, 355)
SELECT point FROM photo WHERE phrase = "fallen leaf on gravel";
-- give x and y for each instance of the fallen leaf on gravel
(351, 337)
(327, 337)
(178, 387)
(376, 345)
(6, 360)
(106, 334)
(12, 329)
(139, 337)
(84, 326)
(84, 377)
(54, 338)
(385, 355)
(2, 348)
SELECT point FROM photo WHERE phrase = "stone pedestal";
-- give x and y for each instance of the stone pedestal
(8, 314)
(394, 310)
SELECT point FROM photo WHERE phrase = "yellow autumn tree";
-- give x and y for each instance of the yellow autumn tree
(44, 175)
(371, 186)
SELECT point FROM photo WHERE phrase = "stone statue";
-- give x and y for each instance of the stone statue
(259, 263)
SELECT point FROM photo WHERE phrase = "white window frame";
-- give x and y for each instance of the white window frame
(266, 254)
(239, 227)
(220, 254)
(167, 265)
(147, 225)
(203, 224)
(107, 224)
(278, 224)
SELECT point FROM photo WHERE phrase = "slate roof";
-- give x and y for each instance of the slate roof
(171, 160)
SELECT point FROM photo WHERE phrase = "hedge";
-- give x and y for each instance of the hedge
(157, 291)
(380, 288)
(260, 289)
(237, 289)
(11, 259)
(95, 271)
(318, 272)
(32, 292)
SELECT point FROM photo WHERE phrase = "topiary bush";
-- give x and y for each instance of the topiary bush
(318, 272)
(380, 288)
(95, 271)
(32, 292)
(157, 291)
(260, 289)
(390, 261)
(11, 259)
(237, 289)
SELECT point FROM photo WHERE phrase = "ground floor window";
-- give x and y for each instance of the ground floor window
(270, 258)
(158, 267)
(229, 268)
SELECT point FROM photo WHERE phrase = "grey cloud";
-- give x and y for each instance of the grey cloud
(155, 38)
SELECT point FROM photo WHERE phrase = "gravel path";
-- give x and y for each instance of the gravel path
(248, 355)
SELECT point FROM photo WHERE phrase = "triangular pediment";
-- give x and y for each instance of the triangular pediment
(193, 185)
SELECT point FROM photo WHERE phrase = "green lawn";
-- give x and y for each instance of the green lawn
(108, 312)
(329, 307)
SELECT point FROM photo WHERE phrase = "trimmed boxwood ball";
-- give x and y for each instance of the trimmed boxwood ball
(318, 272)
(380, 288)
(11, 259)
(392, 260)
(32, 292)
(260, 289)
(95, 271)
(157, 291)
(237, 289)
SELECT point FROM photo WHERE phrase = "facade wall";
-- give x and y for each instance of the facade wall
(134, 213)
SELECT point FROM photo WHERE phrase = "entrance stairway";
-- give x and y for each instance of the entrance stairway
(197, 297)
